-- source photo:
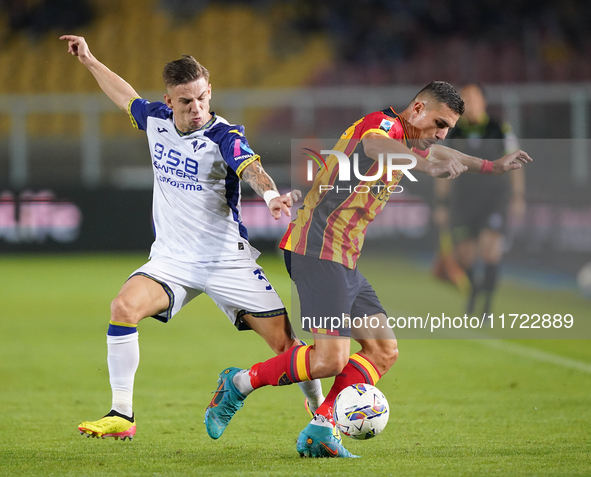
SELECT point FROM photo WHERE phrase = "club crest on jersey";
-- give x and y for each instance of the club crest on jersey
(197, 144)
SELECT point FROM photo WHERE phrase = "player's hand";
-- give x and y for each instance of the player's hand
(283, 203)
(296, 195)
(450, 168)
(77, 46)
(510, 162)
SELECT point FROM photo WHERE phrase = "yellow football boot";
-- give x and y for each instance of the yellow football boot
(113, 424)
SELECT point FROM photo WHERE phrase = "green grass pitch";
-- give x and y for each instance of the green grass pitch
(458, 407)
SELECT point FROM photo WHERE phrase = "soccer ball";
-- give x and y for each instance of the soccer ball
(584, 280)
(361, 411)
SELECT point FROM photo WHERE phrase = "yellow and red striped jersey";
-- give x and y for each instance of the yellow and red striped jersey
(332, 222)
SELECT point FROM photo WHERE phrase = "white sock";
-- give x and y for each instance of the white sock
(123, 358)
(123, 402)
(242, 382)
(313, 392)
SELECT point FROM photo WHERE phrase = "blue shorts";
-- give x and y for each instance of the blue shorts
(332, 296)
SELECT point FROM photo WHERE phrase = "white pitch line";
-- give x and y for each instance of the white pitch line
(537, 355)
(514, 348)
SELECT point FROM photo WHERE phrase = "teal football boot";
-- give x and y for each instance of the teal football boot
(224, 404)
(319, 441)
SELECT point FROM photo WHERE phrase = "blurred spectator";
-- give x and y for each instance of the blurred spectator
(37, 19)
(63, 15)
(386, 34)
(183, 9)
(17, 12)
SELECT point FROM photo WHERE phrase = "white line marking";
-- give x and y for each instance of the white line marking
(537, 355)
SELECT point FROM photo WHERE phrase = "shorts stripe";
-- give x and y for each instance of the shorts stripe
(324, 331)
(267, 314)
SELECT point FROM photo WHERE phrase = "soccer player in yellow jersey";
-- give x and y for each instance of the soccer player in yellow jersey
(322, 245)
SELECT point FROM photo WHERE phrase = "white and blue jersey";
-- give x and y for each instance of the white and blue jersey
(196, 208)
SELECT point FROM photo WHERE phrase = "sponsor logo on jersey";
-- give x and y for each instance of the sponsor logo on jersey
(179, 184)
(175, 172)
(239, 146)
(162, 130)
(244, 156)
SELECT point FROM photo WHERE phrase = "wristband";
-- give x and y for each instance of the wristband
(486, 167)
(269, 195)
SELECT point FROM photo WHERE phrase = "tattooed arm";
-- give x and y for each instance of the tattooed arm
(261, 182)
(258, 179)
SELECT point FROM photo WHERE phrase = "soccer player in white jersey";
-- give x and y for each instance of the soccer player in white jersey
(201, 245)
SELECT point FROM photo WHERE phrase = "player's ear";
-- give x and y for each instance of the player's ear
(168, 100)
(418, 107)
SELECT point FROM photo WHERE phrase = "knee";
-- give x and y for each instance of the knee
(383, 355)
(280, 346)
(123, 311)
(391, 353)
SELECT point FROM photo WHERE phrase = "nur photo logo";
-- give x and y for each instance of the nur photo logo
(390, 164)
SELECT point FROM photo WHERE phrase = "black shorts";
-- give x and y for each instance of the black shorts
(478, 203)
(468, 222)
(333, 298)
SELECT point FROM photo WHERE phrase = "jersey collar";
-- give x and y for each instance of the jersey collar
(205, 126)
(405, 127)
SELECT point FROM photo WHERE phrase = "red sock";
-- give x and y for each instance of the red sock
(358, 370)
(293, 366)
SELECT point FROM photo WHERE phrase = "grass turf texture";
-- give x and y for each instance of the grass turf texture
(458, 407)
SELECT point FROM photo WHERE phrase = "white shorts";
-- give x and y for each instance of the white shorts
(237, 287)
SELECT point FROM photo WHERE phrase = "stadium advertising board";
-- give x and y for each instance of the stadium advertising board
(74, 220)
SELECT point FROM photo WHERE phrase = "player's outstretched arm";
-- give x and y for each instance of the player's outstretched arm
(510, 162)
(114, 86)
(375, 144)
(263, 185)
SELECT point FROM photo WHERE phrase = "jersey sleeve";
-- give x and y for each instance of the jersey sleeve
(233, 147)
(390, 127)
(140, 109)
(377, 122)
